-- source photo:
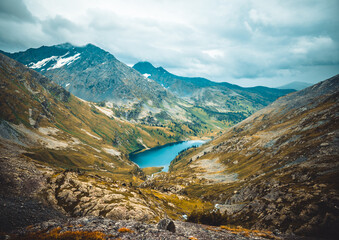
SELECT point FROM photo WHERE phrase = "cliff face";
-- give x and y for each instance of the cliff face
(278, 168)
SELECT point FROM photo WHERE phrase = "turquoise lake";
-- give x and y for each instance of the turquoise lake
(163, 155)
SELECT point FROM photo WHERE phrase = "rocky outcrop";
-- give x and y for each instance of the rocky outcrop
(78, 195)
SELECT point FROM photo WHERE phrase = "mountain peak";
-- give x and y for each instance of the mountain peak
(90, 45)
(69, 46)
(144, 65)
(65, 45)
(162, 69)
(147, 67)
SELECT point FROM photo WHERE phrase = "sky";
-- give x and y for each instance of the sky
(249, 43)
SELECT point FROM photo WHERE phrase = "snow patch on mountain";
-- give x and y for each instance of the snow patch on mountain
(146, 75)
(63, 61)
(59, 61)
(41, 63)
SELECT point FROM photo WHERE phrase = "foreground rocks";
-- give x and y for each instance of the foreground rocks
(105, 228)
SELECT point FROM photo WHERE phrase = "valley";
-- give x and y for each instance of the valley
(72, 117)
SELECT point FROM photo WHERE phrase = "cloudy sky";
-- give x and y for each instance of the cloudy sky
(248, 43)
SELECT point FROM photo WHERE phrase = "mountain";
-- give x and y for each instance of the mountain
(295, 85)
(278, 169)
(219, 97)
(90, 73)
(93, 74)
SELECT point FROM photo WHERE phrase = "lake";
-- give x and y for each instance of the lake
(163, 155)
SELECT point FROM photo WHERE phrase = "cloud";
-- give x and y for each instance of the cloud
(243, 42)
(15, 10)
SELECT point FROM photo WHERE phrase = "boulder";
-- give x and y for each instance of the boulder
(166, 224)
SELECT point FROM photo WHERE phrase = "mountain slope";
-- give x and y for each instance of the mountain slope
(276, 169)
(220, 97)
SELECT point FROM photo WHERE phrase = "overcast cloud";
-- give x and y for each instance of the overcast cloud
(248, 43)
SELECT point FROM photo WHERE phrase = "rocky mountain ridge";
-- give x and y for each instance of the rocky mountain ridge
(219, 97)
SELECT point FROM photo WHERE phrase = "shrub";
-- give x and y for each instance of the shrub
(125, 230)
(55, 234)
(208, 217)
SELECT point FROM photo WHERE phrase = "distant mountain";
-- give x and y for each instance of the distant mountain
(295, 85)
(277, 169)
(219, 97)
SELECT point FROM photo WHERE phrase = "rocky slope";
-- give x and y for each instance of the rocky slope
(276, 169)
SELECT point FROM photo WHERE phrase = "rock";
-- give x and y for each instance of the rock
(166, 224)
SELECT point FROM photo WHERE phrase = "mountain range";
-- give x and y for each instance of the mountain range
(219, 97)
(70, 116)
(163, 99)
